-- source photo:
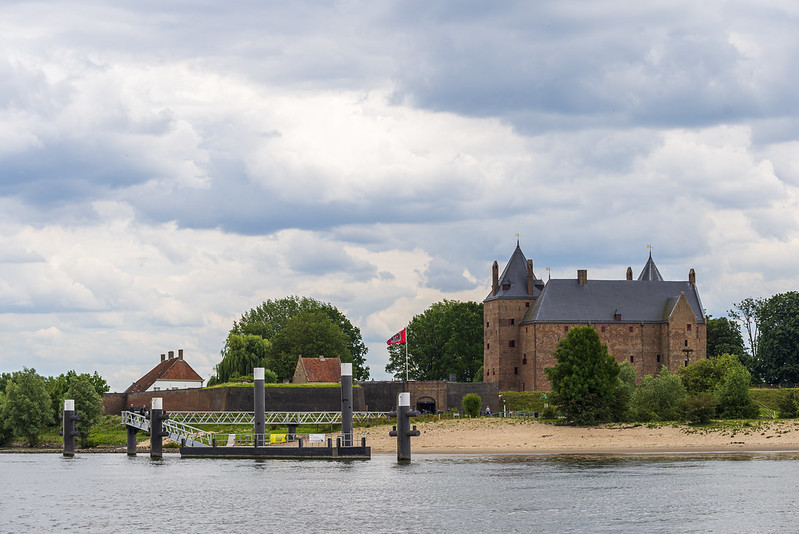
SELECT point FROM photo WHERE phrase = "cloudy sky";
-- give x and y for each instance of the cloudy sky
(166, 166)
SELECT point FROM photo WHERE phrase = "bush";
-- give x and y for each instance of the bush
(700, 408)
(471, 404)
(660, 398)
(549, 412)
(728, 380)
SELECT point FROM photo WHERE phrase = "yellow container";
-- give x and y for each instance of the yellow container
(277, 438)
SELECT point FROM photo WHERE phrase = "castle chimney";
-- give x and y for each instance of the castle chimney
(530, 278)
(171, 354)
(163, 357)
(582, 276)
(180, 354)
(692, 277)
(629, 273)
(494, 278)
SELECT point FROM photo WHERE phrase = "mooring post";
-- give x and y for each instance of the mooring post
(132, 431)
(157, 417)
(403, 427)
(259, 406)
(346, 403)
(68, 430)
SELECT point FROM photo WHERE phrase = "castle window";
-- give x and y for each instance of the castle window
(516, 370)
(631, 329)
(505, 287)
(513, 322)
(689, 326)
(602, 329)
(488, 346)
(493, 372)
(524, 360)
(488, 372)
(512, 343)
(486, 324)
(658, 358)
(526, 304)
(686, 342)
(632, 359)
(565, 328)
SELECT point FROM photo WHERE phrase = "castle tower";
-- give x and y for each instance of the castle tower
(512, 295)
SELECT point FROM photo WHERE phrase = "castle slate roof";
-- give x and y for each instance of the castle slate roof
(321, 369)
(566, 301)
(169, 369)
(514, 278)
(650, 271)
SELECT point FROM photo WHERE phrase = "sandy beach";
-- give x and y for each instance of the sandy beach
(525, 436)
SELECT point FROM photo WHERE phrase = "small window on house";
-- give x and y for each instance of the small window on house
(565, 328)
(632, 359)
(505, 287)
(488, 346)
(512, 343)
(686, 342)
(524, 360)
(486, 324)
(493, 372)
(513, 322)
(516, 370)
(689, 327)
(602, 329)
(631, 329)
(658, 358)
(526, 304)
(488, 372)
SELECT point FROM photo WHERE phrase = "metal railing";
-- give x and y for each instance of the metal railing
(271, 418)
(178, 431)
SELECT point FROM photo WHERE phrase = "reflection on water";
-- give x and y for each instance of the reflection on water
(560, 493)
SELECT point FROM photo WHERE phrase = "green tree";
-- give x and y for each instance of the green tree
(446, 339)
(57, 388)
(777, 361)
(724, 337)
(625, 388)
(88, 405)
(5, 429)
(660, 398)
(726, 378)
(269, 318)
(242, 353)
(471, 403)
(585, 379)
(27, 408)
(746, 313)
(310, 333)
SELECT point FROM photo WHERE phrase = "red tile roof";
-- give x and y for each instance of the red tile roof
(322, 370)
(169, 369)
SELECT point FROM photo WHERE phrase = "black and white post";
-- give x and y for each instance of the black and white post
(346, 404)
(157, 433)
(259, 406)
(68, 430)
(403, 428)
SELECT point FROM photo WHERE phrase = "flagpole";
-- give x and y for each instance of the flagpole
(406, 354)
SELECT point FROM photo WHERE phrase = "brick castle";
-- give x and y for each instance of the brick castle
(648, 322)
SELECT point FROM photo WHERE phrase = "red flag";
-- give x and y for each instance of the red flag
(399, 337)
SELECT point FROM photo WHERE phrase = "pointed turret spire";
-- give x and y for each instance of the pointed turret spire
(650, 271)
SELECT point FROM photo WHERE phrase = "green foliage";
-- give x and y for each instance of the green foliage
(625, 388)
(269, 318)
(727, 379)
(27, 407)
(5, 430)
(585, 379)
(242, 353)
(525, 401)
(471, 404)
(700, 408)
(724, 337)
(88, 405)
(659, 398)
(787, 408)
(746, 313)
(550, 412)
(446, 339)
(57, 388)
(309, 333)
(777, 361)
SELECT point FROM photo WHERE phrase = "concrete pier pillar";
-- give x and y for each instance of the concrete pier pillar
(346, 403)
(259, 406)
(68, 429)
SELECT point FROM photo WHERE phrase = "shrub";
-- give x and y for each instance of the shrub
(660, 398)
(549, 412)
(471, 404)
(700, 408)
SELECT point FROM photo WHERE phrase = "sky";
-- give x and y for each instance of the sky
(167, 166)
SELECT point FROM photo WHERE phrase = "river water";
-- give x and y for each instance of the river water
(557, 493)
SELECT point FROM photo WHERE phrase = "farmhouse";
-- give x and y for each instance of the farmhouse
(648, 322)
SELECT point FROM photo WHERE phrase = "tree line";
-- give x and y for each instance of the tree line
(589, 387)
(277, 332)
(29, 403)
(771, 349)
